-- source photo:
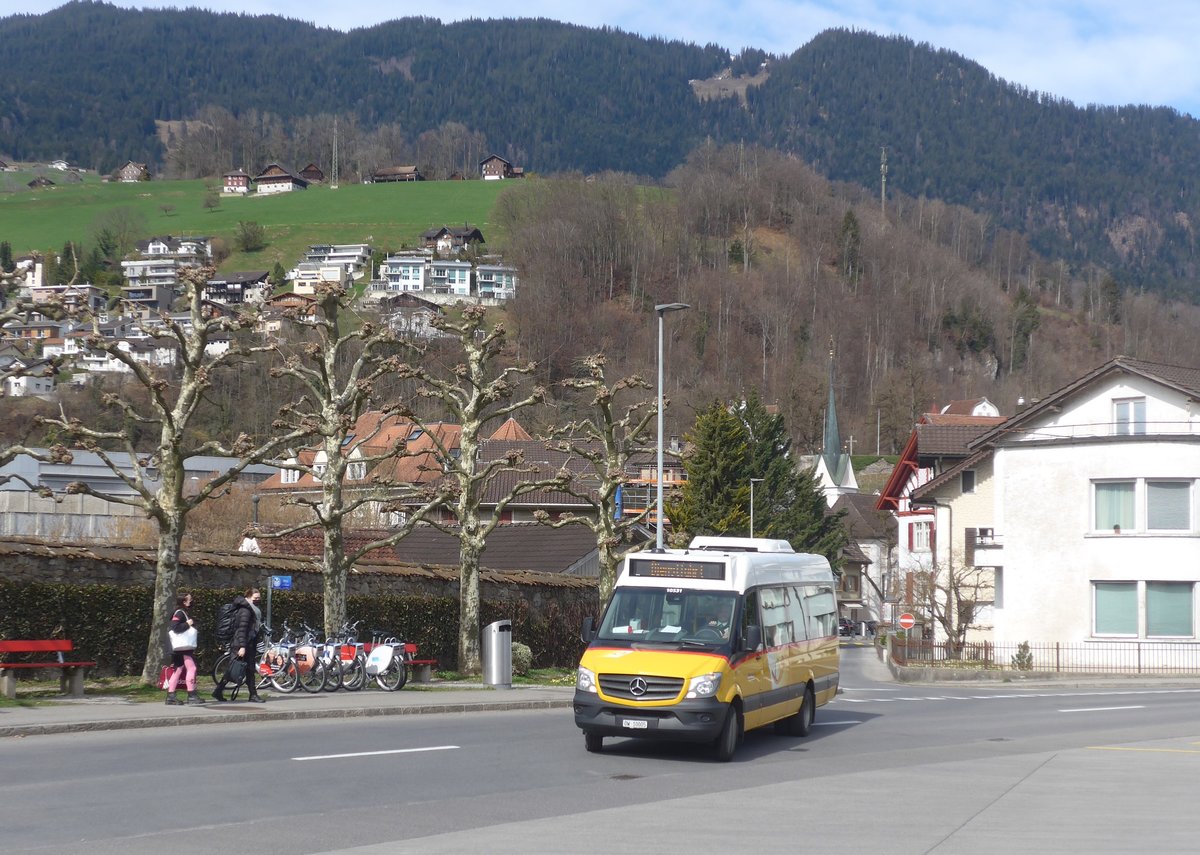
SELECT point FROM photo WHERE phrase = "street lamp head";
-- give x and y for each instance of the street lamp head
(663, 308)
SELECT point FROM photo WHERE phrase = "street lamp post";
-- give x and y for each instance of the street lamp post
(753, 481)
(661, 309)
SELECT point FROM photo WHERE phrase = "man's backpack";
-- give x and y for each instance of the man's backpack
(225, 618)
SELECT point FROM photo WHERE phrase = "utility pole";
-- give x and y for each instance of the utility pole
(883, 180)
(333, 184)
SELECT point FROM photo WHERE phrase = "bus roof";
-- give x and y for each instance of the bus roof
(725, 564)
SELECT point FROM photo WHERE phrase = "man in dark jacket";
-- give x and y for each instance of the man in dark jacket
(247, 623)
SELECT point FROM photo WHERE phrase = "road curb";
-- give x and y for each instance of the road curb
(268, 715)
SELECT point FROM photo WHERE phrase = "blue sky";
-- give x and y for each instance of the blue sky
(1090, 51)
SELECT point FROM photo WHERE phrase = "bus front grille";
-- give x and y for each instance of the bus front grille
(637, 687)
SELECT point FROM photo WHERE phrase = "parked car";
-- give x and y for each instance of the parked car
(845, 626)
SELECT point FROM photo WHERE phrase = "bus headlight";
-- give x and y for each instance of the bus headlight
(585, 681)
(704, 686)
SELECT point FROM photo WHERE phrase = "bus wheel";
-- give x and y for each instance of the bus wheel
(731, 734)
(801, 723)
(593, 742)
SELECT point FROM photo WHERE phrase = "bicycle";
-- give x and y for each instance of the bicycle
(386, 662)
(275, 665)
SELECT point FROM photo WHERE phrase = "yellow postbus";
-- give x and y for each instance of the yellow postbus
(704, 643)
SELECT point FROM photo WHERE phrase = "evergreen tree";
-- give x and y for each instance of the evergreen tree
(788, 503)
(278, 275)
(850, 245)
(6, 257)
(716, 497)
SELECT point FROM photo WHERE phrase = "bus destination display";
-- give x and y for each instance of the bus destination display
(660, 569)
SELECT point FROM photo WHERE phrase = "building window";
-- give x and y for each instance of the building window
(289, 476)
(1129, 415)
(1168, 505)
(920, 536)
(1169, 609)
(1114, 506)
(1116, 608)
(356, 471)
(968, 481)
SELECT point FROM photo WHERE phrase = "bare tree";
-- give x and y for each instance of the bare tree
(950, 596)
(156, 481)
(476, 391)
(339, 363)
(607, 441)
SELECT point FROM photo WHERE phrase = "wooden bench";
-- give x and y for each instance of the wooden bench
(420, 670)
(71, 678)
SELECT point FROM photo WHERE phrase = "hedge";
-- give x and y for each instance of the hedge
(111, 624)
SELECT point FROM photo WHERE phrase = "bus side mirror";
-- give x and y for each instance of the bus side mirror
(587, 632)
(753, 639)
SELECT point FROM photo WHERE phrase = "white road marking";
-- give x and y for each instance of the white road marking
(995, 697)
(378, 753)
(1103, 709)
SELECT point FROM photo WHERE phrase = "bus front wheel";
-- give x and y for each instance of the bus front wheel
(731, 734)
(593, 742)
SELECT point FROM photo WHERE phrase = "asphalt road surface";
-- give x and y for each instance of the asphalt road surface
(889, 767)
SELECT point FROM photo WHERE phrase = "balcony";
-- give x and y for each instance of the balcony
(983, 547)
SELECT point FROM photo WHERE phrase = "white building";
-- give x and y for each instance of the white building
(1084, 507)
(310, 274)
(355, 257)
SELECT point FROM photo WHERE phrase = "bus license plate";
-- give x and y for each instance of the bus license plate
(635, 723)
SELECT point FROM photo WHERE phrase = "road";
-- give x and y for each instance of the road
(891, 767)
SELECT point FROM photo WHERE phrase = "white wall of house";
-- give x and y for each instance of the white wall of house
(1058, 547)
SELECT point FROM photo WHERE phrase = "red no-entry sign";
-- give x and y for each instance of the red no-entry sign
(907, 621)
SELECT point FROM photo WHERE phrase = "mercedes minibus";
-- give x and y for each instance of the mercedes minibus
(704, 643)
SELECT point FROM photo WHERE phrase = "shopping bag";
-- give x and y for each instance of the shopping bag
(164, 676)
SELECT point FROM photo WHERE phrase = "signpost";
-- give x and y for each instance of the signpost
(278, 583)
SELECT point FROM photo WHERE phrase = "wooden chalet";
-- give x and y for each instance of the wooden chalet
(278, 179)
(131, 173)
(494, 167)
(451, 238)
(313, 174)
(397, 173)
(237, 181)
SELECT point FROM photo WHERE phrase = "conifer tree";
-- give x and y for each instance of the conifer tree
(715, 499)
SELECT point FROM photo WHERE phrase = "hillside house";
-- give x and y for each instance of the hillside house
(396, 173)
(354, 257)
(132, 172)
(233, 289)
(85, 297)
(281, 309)
(278, 179)
(309, 275)
(238, 182)
(450, 278)
(26, 377)
(410, 316)
(496, 281)
(1080, 512)
(495, 168)
(313, 174)
(152, 275)
(451, 239)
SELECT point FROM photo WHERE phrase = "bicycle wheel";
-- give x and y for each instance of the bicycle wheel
(220, 667)
(394, 677)
(285, 675)
(313, 680)
(333, 674)
(354, 673)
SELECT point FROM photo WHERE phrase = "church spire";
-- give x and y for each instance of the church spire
(831, 441)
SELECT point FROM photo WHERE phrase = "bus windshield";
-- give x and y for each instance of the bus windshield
(669, 615)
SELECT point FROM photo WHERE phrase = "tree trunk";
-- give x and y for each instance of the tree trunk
(166, 579)
(470, 549)
(335, 579)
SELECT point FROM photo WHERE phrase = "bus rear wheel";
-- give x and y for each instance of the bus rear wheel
(801, 723)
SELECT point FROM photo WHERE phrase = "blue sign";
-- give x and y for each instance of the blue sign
(281, 583)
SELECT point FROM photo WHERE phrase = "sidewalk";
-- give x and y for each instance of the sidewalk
(65, 715)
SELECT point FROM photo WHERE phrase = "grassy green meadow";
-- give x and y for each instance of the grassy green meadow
(387, 216)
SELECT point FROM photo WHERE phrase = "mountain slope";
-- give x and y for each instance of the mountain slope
(1111, 187)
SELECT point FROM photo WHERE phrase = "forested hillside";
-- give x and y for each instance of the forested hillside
(1112, 187)
(89, 80)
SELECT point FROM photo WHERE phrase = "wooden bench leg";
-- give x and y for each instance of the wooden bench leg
(8, 683)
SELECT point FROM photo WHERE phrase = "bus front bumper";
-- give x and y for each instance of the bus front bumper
(697, 720)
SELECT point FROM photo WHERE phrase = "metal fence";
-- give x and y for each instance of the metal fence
(1099, 657)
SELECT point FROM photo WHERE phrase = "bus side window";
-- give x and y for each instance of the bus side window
(796, 614)
(821, 608)
(749, 614)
